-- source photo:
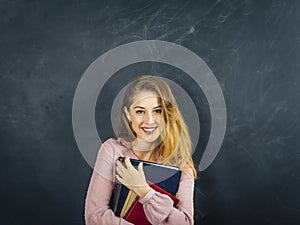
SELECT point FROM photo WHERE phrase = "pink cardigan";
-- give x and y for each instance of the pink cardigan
(158, 207)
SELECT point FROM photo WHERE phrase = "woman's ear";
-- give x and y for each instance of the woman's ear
(127, 113)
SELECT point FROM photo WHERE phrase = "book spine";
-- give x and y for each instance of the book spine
(116, 196)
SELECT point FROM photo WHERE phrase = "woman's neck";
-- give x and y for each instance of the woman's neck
(145, 150)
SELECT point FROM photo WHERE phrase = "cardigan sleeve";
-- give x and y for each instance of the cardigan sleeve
(97, 211)
(159, 207)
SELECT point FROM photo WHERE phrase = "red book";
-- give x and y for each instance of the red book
(136, 214)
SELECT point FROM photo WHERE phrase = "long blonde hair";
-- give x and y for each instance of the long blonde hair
(176, 146)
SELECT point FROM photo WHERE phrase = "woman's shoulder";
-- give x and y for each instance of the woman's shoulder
(116, 143)
(115, 147)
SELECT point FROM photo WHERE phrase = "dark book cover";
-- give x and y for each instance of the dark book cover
(165, 177)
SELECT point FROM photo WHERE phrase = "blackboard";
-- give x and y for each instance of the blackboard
(252, 48)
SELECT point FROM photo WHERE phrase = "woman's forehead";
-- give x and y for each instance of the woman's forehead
(145, 97)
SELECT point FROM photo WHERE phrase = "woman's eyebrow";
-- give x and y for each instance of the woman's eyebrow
(141, 107)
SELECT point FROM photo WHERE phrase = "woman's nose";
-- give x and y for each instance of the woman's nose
(149, 118)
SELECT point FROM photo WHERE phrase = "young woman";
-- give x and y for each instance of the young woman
(151, 129)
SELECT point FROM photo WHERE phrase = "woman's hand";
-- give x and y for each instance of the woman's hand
(132, 178)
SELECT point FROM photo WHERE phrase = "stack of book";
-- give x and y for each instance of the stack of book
(162, 178)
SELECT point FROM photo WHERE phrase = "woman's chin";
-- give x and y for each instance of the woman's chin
(151, 139)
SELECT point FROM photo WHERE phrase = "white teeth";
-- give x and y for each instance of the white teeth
(149, 129)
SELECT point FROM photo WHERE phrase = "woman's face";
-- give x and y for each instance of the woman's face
(145, 114)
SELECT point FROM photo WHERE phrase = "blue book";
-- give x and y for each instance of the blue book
(165, 177)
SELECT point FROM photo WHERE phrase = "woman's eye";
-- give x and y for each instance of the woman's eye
(157, 111)
(139, 111)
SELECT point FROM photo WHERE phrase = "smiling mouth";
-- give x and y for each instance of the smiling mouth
(149, 130)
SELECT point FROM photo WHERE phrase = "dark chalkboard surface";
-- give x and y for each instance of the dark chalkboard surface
(252, 47)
